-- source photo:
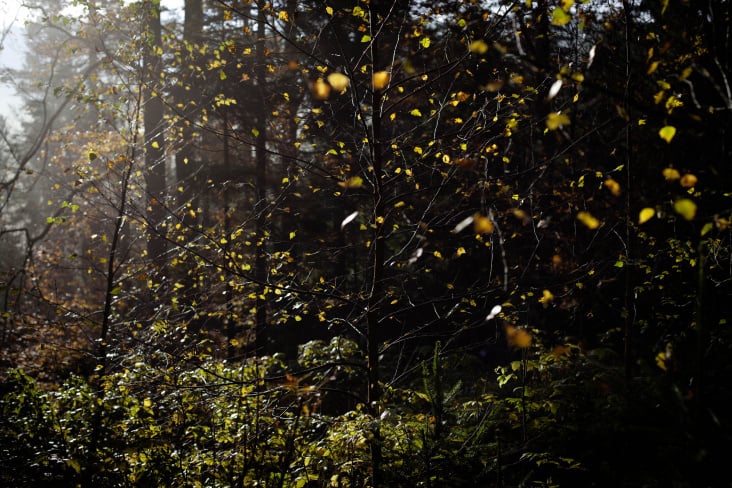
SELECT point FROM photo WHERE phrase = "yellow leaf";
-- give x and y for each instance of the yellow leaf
(546, 297)
(588, 220)
(671, 174)
(460, 251)
(425, 42)
(478, 47)
(517, 337)
(688, 180)
(686, 208)
(415, 112)
(560, 16)
(652, 67)
(155, 145)
(482, 224)
(556, 120)
(380, 80)
(282, 15)
(352, 182)
(667, 133)
(661, 360)
(707, 228)
(645, 215)
(329, 10)
(320, 89)
(339, 82)
(613, 186)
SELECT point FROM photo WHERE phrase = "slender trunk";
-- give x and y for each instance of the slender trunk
(260, 207)
(187, 166)
(376, 293)
(154, 137)
(629, 304)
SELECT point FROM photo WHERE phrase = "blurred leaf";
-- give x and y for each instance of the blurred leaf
(352, 182)
(688, 180)
(320, 89)
(588, 220)
(560, 16)
(482, 224)
(645, 215)
(671, 174)
(339, 82)
(478, 47)
(350, 218)
(686, 208)
(517, 337)
(381, 79)
(556, 120)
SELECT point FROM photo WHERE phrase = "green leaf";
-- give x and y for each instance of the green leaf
(560, 17)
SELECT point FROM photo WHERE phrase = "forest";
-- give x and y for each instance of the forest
(367, 243)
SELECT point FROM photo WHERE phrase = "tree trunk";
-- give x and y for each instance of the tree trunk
(154, 137)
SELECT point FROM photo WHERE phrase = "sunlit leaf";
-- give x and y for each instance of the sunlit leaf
(425, 42)
(494, 311)
(381, 79)
(556, 120)
(365, 38)
(478, 47)
(707, 228)
(560, 16)
(482, 224)
(589, 221)
(591, 55)
(350, 218)
(352, 182)
(686, 208)
(546, 296)
(416, 255)
(283, 16)
(671, 174)
(415, 112)
(661, 360)
(645, 215)
(329, 10)
(320, 89)
(688, 180)
(613, 186)
(667, 133)
(554, 89)
(517, 337)
(339, 82)
(462, 225)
